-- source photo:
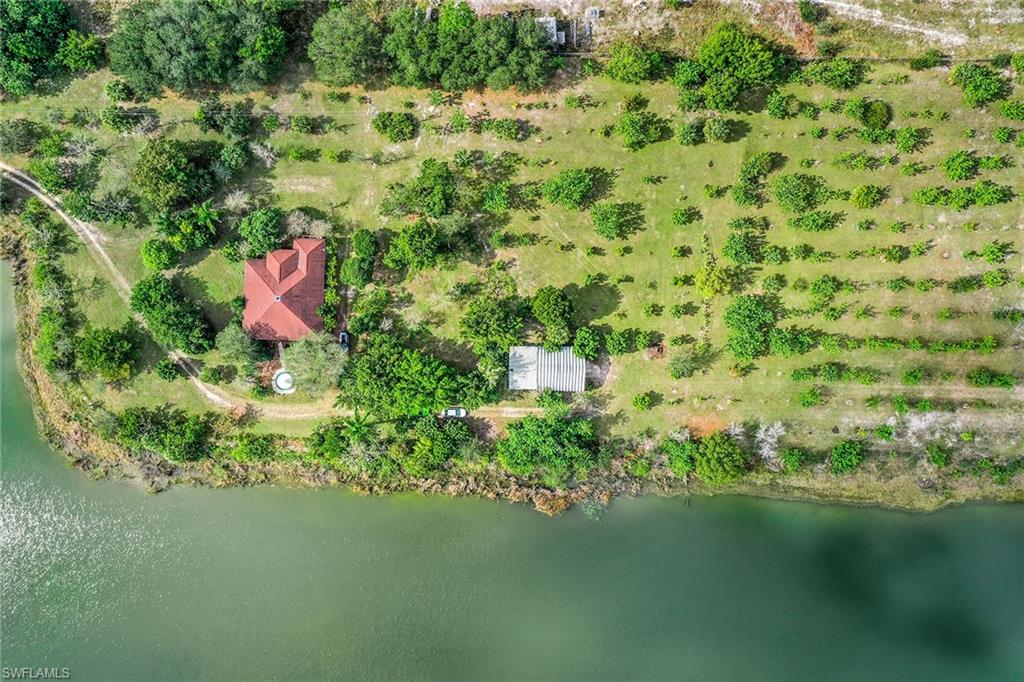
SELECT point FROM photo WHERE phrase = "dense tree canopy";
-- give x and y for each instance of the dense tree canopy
(453, 48)
(191, 229)
(81, 51)
(357, 270)
(316, 360)
(572, 188)
(175, 320)
(236, 346)
(110, 353)
(191, 44)
(979, 83)
(492, 322)
(158, 254)
(395, 126)
(432, 192)
(177, 436)
(730, 61)
(747, 57)
(417, 246)
(171, 172)
(555, 310)
(459, 50)
(610, 220)
(554, 446)
(390, 380)
(347, 46)
(631, 62)
(31, 35)
(750, 320)
(262, 231)
(719, 459)
(586, 344)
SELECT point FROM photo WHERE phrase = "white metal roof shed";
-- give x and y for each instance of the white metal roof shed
(531, 368)
(550, 26)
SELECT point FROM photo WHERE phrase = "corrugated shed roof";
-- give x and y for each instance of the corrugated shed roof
(531, 368)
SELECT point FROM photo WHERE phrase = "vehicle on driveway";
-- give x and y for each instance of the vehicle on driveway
(343, 341)
(455, 413)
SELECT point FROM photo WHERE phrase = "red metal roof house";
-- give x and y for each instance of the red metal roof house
(283, 291)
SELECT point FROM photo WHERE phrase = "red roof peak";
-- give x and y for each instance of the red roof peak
(282, 263)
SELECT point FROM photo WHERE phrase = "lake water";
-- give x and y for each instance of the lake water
(114, 583)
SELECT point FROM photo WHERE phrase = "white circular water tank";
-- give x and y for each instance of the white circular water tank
(283, 382)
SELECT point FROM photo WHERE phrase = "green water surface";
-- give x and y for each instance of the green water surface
(114, 583)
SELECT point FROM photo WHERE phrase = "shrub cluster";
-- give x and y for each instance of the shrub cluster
(175, 319)
(729, 62)
(981, 193)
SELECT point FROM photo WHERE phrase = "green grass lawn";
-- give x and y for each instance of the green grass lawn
(350, 193)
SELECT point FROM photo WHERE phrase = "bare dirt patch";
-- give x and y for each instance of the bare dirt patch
(705, 424)
(305, 184)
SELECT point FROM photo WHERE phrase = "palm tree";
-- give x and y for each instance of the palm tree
(358, 428)
(206, 215)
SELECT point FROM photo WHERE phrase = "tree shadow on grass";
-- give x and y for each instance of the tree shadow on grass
(198, 290)
(742, 278)
(632, 218)
(603, 424)
(594, 301)
(603, 182)
(150, 352)
(449, 351)
(737, 130)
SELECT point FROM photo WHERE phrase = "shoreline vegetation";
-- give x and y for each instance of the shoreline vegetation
(787, 269)
(99, 458)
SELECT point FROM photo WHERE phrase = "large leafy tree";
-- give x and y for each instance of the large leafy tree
(169, 173)
(460, 51)
(192, 229)
(81, 51)
(729, 62)
(586, 344)
(555, 310)
(175, 320)
(432, 192)
(237, 346)
(747, 57)
(750, 320)
(357, 270)
(555, 446)
(552, 307)
(316, 360)
(346, 46)
(177, 436)
(437, 441)
(492, 323)
(572, 188)
(631, 62)
(390, 380)
(417, 247)
(190, 44)
(262, 230)
(719, 459)
(110, 353)
(31, 35)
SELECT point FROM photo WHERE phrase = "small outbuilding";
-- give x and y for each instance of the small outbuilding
(531, 368)
(550, 26)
